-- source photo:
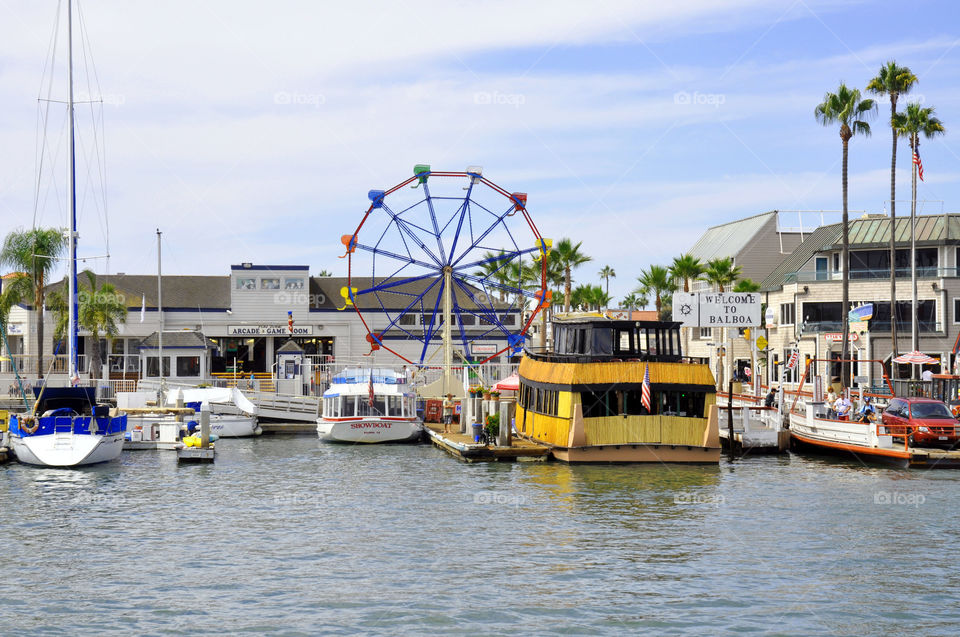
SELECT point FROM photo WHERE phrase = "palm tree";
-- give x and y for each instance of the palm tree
(33, 255)
(634, 300)
(101, 311)
(893, 81)
(721, 272)
(847, 108)
(325, 273)
(570, 257)
(657, 281)
(686, 268)
(495, 267)
(746, 285)
(915, 121)
(605, 274)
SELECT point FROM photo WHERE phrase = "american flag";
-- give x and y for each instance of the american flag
(916, 160)
(370, 389)
(645, 393)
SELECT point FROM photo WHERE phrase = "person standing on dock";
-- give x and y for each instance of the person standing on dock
(447, 413)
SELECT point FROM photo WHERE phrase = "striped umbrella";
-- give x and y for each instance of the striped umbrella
(915, 358)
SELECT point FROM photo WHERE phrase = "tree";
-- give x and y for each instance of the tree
(33, 255)
(635, 300)
(324, 273)
(893, 81)
(850, 111)
(915, 121)
(746, 285)
(570, 257)
(686, 268)
(657, 281)
(606, 273)
(721, 272)
(101, 311)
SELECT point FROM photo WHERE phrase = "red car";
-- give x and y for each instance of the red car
(930, 421)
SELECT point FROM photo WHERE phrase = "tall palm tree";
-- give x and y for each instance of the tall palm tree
(686, 268)
(605, 274)
(33, 255)
(915, 121)
(570, 257)
(721, 272)
(657, 281)
(893, 81)
(101, 311)
(848, 109)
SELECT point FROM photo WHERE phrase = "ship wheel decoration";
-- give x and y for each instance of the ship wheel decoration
(443, 259)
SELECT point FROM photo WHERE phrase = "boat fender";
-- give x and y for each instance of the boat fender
(29, 429)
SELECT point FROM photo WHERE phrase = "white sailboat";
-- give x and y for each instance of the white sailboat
(66, 428)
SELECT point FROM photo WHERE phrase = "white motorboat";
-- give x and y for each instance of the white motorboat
(153, 427)
(369, 406)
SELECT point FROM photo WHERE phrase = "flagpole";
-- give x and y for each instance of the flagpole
(914, 333)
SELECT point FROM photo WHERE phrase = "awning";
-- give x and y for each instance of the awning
(510, 383)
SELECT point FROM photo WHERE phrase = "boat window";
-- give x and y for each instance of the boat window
(395, 405)
(624, 342)
(581, 345)
(599, 404)
(347, 406)
(602, 341)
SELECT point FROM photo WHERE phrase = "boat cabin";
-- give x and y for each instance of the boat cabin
(596, 338)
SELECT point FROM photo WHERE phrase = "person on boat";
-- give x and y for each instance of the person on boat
(447, 413)
(830, 400)
(867, 412)
(771, 397)
(843, 407)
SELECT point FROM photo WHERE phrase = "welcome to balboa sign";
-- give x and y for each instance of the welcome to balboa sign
(717, 309)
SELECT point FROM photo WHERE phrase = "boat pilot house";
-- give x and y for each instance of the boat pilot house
(611, 389)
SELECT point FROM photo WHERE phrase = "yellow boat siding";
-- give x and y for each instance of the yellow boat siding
(570, 429)
(614, 372)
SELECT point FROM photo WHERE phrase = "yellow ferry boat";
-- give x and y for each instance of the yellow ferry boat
(618, 391)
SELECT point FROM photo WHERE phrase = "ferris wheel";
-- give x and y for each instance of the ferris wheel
(445, 261)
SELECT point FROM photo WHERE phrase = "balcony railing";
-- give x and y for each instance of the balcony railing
(904, 326)
(862, 274)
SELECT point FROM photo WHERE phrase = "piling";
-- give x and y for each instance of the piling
(730, 438)
(205, 452)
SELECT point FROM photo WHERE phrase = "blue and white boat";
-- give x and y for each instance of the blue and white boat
(66, 428)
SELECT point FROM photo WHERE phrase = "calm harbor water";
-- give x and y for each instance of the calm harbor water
(286, 535)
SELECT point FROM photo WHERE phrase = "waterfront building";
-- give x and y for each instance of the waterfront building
(241, 320)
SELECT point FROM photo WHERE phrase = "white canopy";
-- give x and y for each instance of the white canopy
(213, 395)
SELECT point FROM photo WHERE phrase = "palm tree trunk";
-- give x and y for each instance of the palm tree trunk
(38, 311)
(95, 362)
(915, 332)
(893, 242)
(566, 289)
(844, 258)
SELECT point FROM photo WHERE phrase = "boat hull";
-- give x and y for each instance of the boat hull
(67, 449)
(613, 454)
(369, 430)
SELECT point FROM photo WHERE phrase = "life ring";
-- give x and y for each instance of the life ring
(29, 430)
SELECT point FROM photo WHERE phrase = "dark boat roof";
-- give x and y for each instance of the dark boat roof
(603, 321)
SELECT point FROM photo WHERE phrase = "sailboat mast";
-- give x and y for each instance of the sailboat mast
(159, 311)
(73, 310)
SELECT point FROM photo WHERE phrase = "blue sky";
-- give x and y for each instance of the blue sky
(252, 132)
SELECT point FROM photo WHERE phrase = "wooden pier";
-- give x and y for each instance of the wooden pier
(462, 447)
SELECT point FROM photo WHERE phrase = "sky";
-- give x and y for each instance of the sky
(252, 131)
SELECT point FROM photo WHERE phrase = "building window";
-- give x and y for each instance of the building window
(956, 311)
(706, 332)
(246, 284)
(408, 319)
(788, 313)
(821, 267)
(836, 262)
(269, 284)
(293, 284)
(153, 369)
(188, 365)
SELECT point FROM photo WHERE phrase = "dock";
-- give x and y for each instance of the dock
(195, 454)
(462, 447)
(756, 429)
